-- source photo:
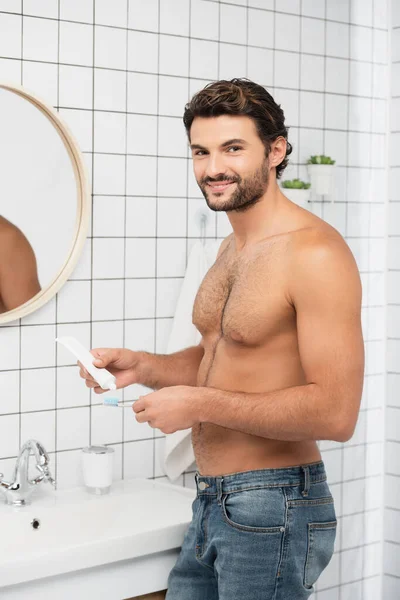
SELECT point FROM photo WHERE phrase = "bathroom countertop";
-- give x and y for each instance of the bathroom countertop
(79, 530)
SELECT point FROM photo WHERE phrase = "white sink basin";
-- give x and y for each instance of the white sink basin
(79, 530)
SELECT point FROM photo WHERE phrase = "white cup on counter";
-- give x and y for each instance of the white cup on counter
(97, 468)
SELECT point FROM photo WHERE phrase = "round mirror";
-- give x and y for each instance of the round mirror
(44, 202)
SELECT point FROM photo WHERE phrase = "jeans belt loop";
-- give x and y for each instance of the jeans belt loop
(219, 490)
(306, 480)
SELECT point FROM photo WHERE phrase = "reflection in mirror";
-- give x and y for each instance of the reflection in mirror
(19, 280)
(38, 201)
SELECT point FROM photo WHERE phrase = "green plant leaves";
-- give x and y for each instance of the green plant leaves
(320, 159)
(295, 184)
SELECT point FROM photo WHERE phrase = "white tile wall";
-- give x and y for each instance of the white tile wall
(391, 567)
(120, 74)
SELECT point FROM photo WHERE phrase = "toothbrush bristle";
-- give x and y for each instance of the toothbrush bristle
(111, 401)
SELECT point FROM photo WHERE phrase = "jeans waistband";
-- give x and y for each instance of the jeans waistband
(305, 475)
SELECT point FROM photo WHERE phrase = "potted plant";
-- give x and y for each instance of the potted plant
(297, 191)
(320, 169)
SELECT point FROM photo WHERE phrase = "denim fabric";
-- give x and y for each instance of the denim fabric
(257, 535)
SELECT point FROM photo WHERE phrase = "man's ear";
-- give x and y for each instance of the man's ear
(277, 152)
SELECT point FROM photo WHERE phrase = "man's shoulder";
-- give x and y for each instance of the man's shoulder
(8, 230)
(316, 237)
(6, 225)
(319, 246)
(11, 237)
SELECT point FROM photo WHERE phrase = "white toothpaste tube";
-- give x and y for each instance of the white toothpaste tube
(104, 378)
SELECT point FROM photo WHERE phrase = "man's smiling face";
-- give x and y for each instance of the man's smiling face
(229, 161)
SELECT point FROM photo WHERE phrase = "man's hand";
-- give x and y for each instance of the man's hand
(169, 409)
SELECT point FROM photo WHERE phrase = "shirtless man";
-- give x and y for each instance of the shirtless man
(19, 280)
(280, 365)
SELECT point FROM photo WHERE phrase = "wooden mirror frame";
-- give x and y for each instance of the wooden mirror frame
(82, 211)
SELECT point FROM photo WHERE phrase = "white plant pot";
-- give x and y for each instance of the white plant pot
(321, 177)
(300, 197)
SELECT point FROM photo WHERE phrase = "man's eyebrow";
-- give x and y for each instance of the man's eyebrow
(224, 145)
(234, 141)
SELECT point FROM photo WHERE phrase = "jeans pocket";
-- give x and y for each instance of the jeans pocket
(260, 510)
(321, 543)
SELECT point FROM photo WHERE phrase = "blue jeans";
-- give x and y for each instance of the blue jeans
(256, 535)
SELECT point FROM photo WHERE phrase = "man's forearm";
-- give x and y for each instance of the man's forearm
(164, 370)
(293, 414)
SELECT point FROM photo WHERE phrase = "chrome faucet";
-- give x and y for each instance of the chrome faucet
(18, 491)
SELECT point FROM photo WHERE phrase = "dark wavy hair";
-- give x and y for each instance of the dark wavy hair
(241, 97)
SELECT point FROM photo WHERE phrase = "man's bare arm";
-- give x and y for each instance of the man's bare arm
(164, 370)
(19, 280)
(325, 290)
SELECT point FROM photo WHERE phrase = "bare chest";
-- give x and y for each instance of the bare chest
(243, 299)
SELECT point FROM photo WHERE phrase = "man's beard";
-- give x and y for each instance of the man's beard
(247, 193)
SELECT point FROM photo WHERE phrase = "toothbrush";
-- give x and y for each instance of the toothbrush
(115, 402)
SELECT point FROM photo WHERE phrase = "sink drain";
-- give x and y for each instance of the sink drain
(35, 523)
